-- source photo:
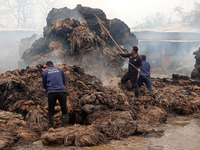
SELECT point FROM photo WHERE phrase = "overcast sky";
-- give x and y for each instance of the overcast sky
(133, 11)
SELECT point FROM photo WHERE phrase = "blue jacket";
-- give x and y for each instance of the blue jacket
(53, 80)
(145, 70)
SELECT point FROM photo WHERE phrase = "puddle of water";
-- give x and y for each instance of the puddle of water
(181, 133)
(131, 143)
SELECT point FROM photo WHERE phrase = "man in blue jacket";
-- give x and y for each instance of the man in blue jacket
(145, 75)
(135, 63)
(54, 83)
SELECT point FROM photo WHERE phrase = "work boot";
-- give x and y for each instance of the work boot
(122, 86)
(51, 121)
(64, 120)
(151, 93)
(136, 90)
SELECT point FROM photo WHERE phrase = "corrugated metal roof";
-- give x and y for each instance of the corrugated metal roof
(178, 27)
(177, 41)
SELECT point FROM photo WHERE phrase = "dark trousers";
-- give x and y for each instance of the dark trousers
(52, 98)
(132, 77)
(146, 80)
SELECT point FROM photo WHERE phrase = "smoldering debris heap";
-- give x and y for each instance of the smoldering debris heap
(25, 43)
(96, 114)
(76, 37)
(196, 71)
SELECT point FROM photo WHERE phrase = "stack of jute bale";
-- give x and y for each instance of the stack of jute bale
(77, 37)
(196, 71)
(95, 112)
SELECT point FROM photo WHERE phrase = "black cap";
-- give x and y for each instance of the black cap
(135, 48)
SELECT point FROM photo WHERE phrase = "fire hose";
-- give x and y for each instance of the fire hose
(101, 24)
(134, 67)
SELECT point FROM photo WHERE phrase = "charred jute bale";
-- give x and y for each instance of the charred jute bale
(14, 128)
(128, 40)
(100, 101)
(25, 95)
(38, 48)
(25, 43)
(75, 135)
(196, 71)
(179, 77)
(166, 97)
(85, 14)
(64, 27)
(81, 40)
(114, 125)
(153, 114)
(62, 14)
(184, 107)
(56, 45)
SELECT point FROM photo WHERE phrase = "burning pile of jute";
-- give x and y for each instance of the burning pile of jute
(196, 71)
(77, 37)
(97, 114)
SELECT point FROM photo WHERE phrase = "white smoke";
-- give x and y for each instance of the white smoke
(170, 51)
